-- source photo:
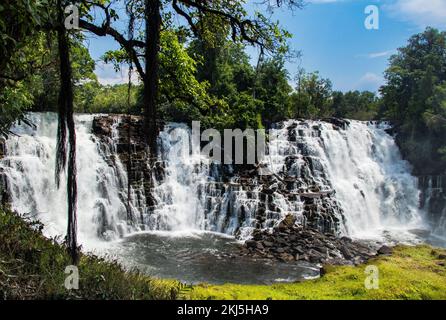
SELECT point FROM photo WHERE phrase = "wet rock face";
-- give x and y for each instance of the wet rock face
(241, 193)
(4, 198)
(2, 147)
(433, 200)
(124, 134)
(289, 243)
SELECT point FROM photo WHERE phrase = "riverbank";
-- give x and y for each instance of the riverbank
(32, 267)
(408, 273)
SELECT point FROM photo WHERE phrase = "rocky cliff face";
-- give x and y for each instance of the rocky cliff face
(429, 168)
(123, 135)
(234, 198)
(3, 186)
(433, 200)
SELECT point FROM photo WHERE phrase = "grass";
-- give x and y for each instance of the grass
(33, 267)
(409, 273)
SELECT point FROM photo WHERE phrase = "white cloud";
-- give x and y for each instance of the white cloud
(370, 81)
(108, 76)
(421, 12)
(374, 55)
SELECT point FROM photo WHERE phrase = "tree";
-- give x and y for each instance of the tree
(355, 105)
(273, 89)
(67, 125)
(21, 49)
(256, 30)
(312, 97)
(413, 98)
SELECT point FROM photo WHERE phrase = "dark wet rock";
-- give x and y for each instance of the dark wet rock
(338, 123)
(260, 246)
(4, 196)
(2, 147)
(251, 244)
(385, 250)
(288, 222)
(291, 242)
(267, 244)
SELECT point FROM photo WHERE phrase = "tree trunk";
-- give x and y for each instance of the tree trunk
(153, 29)
(66, 122)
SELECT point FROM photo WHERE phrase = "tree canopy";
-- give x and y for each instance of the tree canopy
(414, 98)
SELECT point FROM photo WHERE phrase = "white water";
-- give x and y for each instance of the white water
(190, 197)
(362, 164)
(30, 165)
(434, 199)
(373, 183)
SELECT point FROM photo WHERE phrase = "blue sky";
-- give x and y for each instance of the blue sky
(333, 39)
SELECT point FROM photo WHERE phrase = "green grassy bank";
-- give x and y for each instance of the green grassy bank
(32, 267)
(409, 273)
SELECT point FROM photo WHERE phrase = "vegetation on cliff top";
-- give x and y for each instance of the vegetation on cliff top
(409, 273)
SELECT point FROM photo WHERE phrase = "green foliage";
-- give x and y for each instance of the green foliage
(95, 98)
(414, 98)
(21, 49)
(32, 267)
(46, 81)
(13, 100)
(273, 89)
(312, 98)
(246, 96)
(411, 273)
(355, 105)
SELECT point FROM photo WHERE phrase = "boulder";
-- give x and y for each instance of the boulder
(267, 244)
(251, 243)
(385, 250)
(288, 222)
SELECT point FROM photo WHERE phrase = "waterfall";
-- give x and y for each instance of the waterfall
(349, 180)
(29, 166)
(192, 196)
(434, 202)
(363, 165)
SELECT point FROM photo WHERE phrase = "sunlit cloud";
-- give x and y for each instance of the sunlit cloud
(108, 76)
(370, 81)
(420, 12)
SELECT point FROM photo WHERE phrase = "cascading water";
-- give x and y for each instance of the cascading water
(362, 164)
(349, 180)
(29, 166)
(191, 195)
(434, 202)
(373, 183)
